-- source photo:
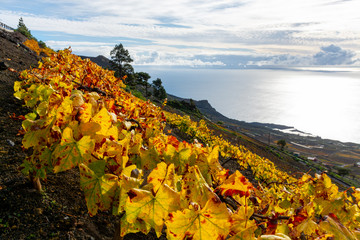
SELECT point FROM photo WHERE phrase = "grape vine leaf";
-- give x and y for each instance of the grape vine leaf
(150, 207)
(149, 158)
(331, 225)
(99, 188)
(126, 184)
(85, 112)
(211, 222)
(195, 188)
(36, 132)
(208, 163)
(162, 174)
(242, 226)
(69, 153)
(277, 236)
(138, 225)
(103, 118)
(236, 184)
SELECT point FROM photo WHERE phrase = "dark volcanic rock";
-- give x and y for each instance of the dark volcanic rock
(99, 60)
(3, 66)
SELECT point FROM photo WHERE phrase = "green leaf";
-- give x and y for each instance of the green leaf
(99, 189)
(138, 226)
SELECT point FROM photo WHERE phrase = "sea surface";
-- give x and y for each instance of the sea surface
(324, 102)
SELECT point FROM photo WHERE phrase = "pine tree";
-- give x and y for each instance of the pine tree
(21, 28)
(159, 90)
(143, 79)
(120, 61)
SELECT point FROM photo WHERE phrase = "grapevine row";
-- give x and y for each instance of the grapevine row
(82, 117)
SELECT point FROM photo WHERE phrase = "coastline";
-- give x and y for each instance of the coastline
(324, 154)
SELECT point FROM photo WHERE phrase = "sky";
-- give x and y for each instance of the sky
(199, 33)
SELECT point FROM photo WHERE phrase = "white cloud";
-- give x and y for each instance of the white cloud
(184, 29)
(334, 55)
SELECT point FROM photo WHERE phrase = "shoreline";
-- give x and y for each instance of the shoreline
(326, 154)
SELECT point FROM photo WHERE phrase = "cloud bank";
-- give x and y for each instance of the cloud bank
(224, 33)
(334, 55)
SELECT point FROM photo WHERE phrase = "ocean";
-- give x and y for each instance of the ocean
(321, 102)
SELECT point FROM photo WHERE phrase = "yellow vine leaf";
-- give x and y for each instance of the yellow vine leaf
(99, 188)
(308, 227)
(153, 209)
(162, 174)
(85, 112)
(208, 163)
(242, 226)
(236, 184)
(89, 128)
(278, 236)
(69, 153)
(103, 118)
(333, 226)
(211, 222)
(63, 113)
(33, 138)
(195, 188)
(149, 158)
(356, 195)
(126, 184)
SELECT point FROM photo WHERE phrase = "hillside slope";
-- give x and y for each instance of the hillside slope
(61, 212)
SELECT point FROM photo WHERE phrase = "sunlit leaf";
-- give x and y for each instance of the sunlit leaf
(211, 222)
(236, 184)
(195, 188)
(242, 226)
(69, 153)
(153, 209)
(104, 120)
(162, 174)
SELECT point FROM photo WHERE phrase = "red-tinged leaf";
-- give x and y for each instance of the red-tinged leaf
(99, 188)
(85, 113)
(126, 184)
(104, 120)
(162, 174)
(13, 116)
(142, 204)
(195, 188)
(211, 222)
(69, 153)
(34, 138)
(236, 184)
(139, 225)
